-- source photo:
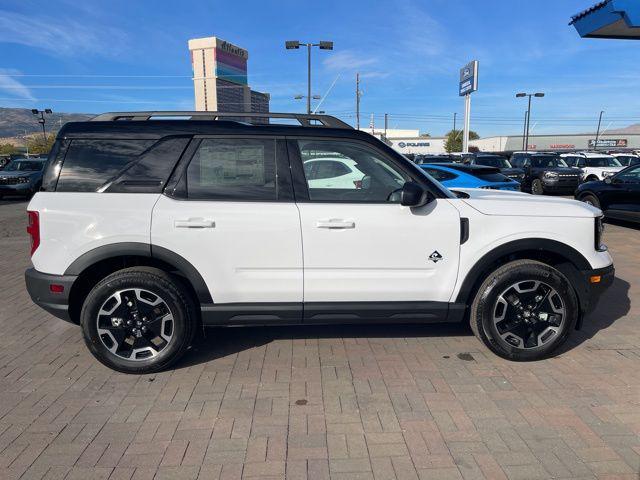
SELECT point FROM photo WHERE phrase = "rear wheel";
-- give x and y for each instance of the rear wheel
(536, 187)
(591, 200)
(138, 320)
(524, 310)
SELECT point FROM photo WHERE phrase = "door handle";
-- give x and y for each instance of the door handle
(336, 223)
(194, 223)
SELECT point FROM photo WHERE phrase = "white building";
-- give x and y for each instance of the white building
(409, 141)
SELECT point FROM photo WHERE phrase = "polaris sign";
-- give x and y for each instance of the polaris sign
(413, 144)
(468, 78)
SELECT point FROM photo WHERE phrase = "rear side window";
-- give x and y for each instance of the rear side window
(90, 164)
(440, 175)
(233, 169)
(491, 177)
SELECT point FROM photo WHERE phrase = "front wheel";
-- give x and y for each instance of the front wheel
(138, 320)
(591, 200)
(524, 310)
(536, 187)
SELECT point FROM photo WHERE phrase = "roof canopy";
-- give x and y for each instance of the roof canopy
(609, 19)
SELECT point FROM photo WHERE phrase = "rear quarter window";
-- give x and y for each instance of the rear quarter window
(89, 164)
(491, 177)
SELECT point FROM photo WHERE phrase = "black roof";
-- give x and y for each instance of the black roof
(465, 167)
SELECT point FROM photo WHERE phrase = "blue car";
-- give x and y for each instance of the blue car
(22, 176)
(456, 175)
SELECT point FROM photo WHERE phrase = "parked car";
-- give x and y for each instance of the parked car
(627, 159)
(618, 196)
(594, 166)
(148, 230)
(22, 176)
(497, 161)
(332, 173)
(545, 173)
(456, 175)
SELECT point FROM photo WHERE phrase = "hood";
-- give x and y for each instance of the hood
(512, 171)
(497, 202)
(565, 170)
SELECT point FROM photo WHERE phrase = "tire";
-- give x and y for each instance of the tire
(591, 200)
(123, 337)
(536, 187)
(538, 332)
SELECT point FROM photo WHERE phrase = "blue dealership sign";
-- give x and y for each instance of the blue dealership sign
(468, 78)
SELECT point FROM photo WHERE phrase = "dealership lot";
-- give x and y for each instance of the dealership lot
(318, 402)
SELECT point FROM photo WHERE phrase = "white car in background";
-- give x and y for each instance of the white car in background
(627, 159)
(593, 165)
(333, 173)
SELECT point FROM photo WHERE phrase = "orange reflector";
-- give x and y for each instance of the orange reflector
(595, 279)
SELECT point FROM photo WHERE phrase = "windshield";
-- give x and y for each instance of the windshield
(602, 162)
(498, 162)
(547, 161)
(24, 166)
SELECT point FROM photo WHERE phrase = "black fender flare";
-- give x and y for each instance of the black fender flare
(541, 245)
(139, 249)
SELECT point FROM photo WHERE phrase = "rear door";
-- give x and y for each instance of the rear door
(362, 250)
(230, 213)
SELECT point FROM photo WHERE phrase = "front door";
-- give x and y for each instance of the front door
(237, 224)
(360, 245)
(624, 197)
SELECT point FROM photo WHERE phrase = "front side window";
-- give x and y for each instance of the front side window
(323, 169)
(233, 169)
(498, 162)
(372, 177)
(89, 164)
(630, 175)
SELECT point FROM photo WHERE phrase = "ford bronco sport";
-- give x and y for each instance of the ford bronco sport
(148, 229)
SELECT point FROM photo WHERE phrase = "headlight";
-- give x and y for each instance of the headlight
(599, 232)
(24, 179)
(607, 174)
(550, 175)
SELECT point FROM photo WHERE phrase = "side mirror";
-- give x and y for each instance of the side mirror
(413, 195)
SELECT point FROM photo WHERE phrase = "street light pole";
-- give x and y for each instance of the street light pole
(595, 146)
(42, 120)
(294, 45)
(524, 128)
(528, 116)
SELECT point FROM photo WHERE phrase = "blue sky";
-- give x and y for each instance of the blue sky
(95, 56)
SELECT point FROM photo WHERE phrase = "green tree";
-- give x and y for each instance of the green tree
(7, 149)
(453, 142)
(38, 146)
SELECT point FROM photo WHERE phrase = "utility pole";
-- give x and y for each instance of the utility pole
(372, 125)
(528, 116)
(595, 146)
(386, 124)
(358, 93)
(454, 122)
(26, 143)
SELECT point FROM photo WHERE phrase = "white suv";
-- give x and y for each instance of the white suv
(593, 165)
(147, 230)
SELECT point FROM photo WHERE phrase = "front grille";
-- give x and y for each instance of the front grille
(8, 180)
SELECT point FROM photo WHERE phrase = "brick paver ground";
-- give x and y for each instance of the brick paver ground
(339, 402)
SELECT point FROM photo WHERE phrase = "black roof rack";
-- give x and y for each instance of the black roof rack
(305, 120)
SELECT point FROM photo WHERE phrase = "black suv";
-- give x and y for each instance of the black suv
(546, 173)
(497, 161)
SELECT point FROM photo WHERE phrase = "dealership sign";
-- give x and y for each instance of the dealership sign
(608, 142)
(413, 144)
(468, 78)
